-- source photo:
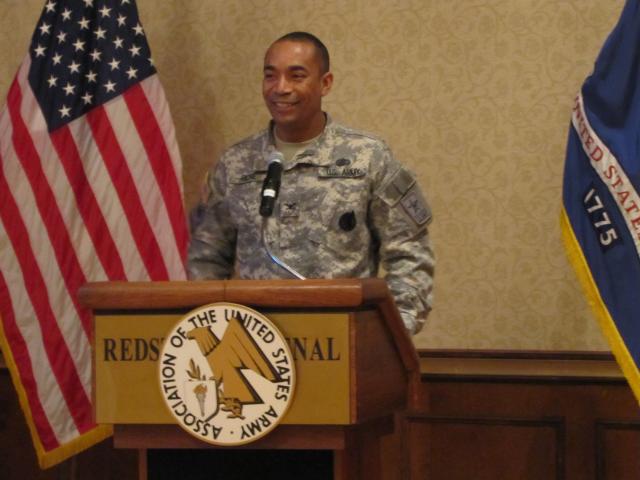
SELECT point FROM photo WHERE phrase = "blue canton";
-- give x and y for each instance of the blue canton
(83, 54)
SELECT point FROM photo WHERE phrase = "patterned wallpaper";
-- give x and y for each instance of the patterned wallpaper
(473, 95)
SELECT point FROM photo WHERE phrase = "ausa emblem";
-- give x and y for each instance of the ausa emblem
(226, 374)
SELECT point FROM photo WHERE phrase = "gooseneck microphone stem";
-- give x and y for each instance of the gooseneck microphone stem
(275, 259)
(268, 197)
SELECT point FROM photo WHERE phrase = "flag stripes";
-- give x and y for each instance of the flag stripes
(150, 190)
(158, 157)
(87, 205)
(45, 201)
(25, 369)
(109, 209)
(115, 161)
(57, 354)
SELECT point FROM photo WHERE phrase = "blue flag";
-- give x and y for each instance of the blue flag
(601, 200)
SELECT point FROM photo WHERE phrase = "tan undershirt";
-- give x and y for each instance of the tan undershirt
(289, 150)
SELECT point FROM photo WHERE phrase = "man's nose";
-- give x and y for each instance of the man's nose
(283, 85)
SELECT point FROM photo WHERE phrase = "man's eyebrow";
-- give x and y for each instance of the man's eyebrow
(294, 68)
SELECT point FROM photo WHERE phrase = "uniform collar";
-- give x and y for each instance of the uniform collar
(314, 154)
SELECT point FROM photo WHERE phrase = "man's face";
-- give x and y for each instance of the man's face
(293, 86)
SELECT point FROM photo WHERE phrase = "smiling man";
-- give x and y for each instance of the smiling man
(345, 208)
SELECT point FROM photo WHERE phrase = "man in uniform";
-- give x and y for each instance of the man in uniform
(345, 207)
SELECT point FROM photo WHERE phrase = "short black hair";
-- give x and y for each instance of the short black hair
(321, 49)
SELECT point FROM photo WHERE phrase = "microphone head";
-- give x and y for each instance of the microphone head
(276, 157)
(271, 184)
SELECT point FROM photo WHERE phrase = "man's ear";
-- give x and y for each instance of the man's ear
(327, 83)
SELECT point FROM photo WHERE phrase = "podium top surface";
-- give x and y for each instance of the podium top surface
(345, 293)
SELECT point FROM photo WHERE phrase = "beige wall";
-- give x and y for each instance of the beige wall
(473, 95)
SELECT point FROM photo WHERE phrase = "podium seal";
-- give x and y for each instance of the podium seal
(226, 374)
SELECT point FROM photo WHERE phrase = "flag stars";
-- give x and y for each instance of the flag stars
(100, 33)
(110, 86)
(44, 29)
(64, 111)
(69, 89)
(74, 67)
(39, 51)
(114, 64)
(78, 45)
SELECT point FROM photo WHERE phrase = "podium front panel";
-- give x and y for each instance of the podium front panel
(128, 345)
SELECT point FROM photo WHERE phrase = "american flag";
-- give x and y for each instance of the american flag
(90, 190)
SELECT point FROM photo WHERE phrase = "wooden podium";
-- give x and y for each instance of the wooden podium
(355, 363)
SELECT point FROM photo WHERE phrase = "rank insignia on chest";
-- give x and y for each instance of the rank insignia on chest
(338, 172)
(249, 177)
(289, 209)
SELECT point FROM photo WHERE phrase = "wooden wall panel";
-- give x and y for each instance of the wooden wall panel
(17, 457)
(486, 448)
(618, 450)
(504, 406)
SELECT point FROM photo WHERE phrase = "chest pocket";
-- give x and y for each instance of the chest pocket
(243, 197)
(343, 216)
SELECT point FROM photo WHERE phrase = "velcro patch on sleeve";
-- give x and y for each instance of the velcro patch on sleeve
(399, 184)
(416, 206)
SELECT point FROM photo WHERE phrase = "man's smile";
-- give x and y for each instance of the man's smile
(280, 104)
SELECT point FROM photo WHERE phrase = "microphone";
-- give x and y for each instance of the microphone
(271, 184)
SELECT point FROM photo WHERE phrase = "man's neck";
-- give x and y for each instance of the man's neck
(299, 135)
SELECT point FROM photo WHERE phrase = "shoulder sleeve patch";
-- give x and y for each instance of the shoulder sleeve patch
(396, 188)
(403, 189)
(416, 206)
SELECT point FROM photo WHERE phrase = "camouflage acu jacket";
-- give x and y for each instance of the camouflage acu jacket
(346, 207)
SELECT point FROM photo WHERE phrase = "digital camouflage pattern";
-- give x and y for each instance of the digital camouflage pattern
(346, 207)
